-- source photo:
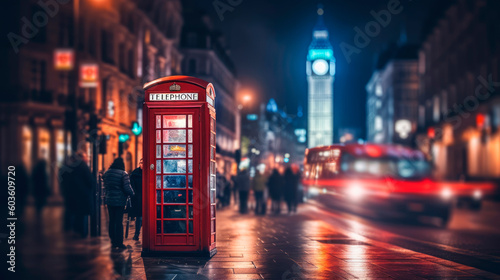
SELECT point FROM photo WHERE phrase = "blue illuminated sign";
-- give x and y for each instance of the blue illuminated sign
(252, 117)
(122, 138)
(320, 54)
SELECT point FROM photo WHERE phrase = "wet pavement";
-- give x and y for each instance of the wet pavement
(299, 246)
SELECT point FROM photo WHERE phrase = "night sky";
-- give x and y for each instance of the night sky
(269, 40)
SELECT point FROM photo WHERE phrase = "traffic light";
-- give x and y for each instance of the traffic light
(122, 138)
(136, 129)
(103, 144)
(93, 121)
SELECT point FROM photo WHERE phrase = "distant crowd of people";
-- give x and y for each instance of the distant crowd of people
(274, 186)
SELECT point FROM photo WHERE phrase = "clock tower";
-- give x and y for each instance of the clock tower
(320, 76)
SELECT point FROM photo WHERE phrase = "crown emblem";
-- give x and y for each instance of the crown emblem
(175, 87)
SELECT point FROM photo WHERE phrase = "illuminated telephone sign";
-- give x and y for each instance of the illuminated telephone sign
(64, 59)
(89, 75)
(179, 197)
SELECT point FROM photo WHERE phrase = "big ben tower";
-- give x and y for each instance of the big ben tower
(320, 77)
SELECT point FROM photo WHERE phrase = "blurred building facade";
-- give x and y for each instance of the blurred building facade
(47, 113)
(273, 138)
(392, 96)
(459, 68)
(206, 57)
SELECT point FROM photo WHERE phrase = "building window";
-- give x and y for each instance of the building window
(131, 63)
(107, 46)
(44, 144)
(38, 80)
(192, 66)
(435, 109)
(378, 123)
(121, 57)
(27, 142)
(65, 27)
(147, 36)
(41, 34)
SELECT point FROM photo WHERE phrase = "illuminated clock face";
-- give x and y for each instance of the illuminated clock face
(320, 67)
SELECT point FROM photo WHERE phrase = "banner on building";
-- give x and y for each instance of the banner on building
(64, 59)
(89, 75)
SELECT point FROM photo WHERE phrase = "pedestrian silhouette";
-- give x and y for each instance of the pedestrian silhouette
(117, 188)
(40, 185)
(275, 185)
(258, 187)
(291, 188)
(77, 186)
(243, 185)
(136, 210)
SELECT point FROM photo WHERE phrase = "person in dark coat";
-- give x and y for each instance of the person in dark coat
(243, 184)
(136, 210)
(77, 186)
(117, 188)
(258, 187)
(275, 185)
(291, 188)
(40, 184)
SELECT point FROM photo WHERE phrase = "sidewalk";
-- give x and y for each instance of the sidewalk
(249, 247)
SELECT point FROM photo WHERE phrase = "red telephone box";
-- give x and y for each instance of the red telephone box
(179, 167)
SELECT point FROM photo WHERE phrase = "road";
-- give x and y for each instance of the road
(471, 238)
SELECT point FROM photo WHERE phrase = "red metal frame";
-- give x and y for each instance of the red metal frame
(202, 241)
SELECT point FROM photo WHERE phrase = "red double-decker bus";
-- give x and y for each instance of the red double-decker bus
(388, 180)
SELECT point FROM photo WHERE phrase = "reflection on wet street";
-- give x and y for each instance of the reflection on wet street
(306, 245)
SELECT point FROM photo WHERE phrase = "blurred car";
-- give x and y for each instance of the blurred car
(388, 180)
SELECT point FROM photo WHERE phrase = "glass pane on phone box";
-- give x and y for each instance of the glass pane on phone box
(174, 226)
(158, 151)
(174, 121)
(174, 166)
(190, 211)
(158, 181)
(190, 166)
(212, 182)
(174, 196)
(158, 121)
(174, 181)
(190, 150)
(190, 121)
(158, 226)
(190, 226)
(190, 136)
(158, 211)
(212, 139)
(158, 167)
(190, 181)
(212, 196)
(174, 151)
(158, 136)
(174, 136)
(174, 211)
(190, 196)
